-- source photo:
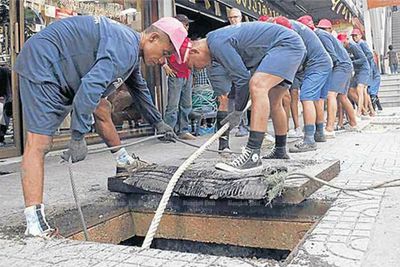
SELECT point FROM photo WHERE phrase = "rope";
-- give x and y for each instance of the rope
(171, 185)
(77, 202)
(386, 184)
(204, 101)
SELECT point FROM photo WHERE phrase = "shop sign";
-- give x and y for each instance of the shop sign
(254, 8)
(382, 3)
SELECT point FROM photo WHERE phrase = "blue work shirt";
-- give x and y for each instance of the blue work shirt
(316, 56)
(240, 49)
(88, 58)
(359, 60)
(370, 57)
(335, 49)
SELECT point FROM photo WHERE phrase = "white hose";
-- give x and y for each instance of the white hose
(171, 185)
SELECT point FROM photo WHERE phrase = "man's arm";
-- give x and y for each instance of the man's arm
(142, 98)
(359, 56)
(92, 87)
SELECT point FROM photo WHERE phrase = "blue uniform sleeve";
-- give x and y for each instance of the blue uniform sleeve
(93, 85)
(229, 58)
(114, 62)
(367, 52)
(329, 47)
(359, 57)
(141, 97)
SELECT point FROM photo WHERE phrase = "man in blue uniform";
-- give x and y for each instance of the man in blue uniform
(339, 81)
(263, 57)
(70, 66)
(317, 67)
(361, 76)
(357, 38)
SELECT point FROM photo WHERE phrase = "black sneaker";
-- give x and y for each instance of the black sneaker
(129, 167)
(277, 153)
(302, 147)
(319, 137)
(248, 161)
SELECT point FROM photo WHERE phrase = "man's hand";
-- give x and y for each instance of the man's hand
(170, 72)
(77, 149)
(233, 118)
(163, 128)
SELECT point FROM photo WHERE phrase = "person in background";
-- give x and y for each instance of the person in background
(5, 102)
(179, 103)
(393, 60)
(357, 38)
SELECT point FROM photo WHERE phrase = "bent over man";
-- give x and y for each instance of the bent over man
(272, 53)
(57, 75)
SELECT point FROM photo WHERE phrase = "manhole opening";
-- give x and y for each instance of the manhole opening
(210, 248)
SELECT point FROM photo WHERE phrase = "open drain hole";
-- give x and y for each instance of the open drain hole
(4, 173)
(210, 248)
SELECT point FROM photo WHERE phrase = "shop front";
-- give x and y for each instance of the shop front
(22, 19)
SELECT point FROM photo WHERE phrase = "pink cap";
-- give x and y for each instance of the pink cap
(324, 24)
(263, 18)
(175, 31)
(281, 20)
(342, 36)
(307, 20)
(356, 32)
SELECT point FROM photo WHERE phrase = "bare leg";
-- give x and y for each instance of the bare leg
(104, 124)
(332, 109)
(360, 102)
(36, 147)
(278, 114)
(260, 85)
(340, 113)
(294, 107)
(345, 103)
(286, 106)
(309, 113)
(319, 108)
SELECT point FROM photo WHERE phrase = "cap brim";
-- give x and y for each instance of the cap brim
(190, 20)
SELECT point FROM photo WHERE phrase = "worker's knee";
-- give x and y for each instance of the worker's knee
(103, 110)
(38, 144)
(257, 86)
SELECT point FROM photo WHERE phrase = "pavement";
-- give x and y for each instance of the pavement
(360, 229)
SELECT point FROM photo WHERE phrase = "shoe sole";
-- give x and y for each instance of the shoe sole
(226, 168)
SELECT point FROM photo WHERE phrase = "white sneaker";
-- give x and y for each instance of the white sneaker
(330, 134)
(295, 133)
(36, 224)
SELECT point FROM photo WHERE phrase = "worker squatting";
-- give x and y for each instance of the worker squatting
(257, 61)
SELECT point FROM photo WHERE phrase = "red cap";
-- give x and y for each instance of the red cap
(263, 18)
(324, 24)
(175, 31)
(307, 20)
(281, 20)
(356, 32)
(342, 37)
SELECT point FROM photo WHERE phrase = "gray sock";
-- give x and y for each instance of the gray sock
(309, 131)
